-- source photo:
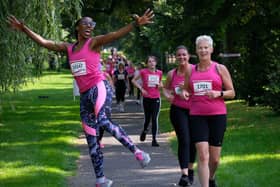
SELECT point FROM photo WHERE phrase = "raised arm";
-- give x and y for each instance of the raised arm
(146, 18)
(49, 44)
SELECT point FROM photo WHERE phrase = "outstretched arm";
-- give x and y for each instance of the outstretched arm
(146, 18)
(49, 44)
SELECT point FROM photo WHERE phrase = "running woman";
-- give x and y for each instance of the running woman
(151, 84)
(96, 92)
(120, 78)
(130, 71)
(179, 114)
(208, 85)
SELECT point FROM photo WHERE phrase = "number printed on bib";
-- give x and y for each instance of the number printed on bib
(78, 67)
(121, 76)
(201, 87)
(153, 80)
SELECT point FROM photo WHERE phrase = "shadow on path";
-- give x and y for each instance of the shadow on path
(120, 164)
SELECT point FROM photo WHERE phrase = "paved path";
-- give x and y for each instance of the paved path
(120, 164)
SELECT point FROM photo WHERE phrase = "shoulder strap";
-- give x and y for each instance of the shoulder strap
(173, 74)
(217, 67)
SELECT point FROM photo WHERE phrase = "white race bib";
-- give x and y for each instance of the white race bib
(121, 76)
(201, 87)
(178, 90)
(153, 80)
(78, 67)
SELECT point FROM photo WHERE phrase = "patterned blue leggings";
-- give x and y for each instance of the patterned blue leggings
(95, 110)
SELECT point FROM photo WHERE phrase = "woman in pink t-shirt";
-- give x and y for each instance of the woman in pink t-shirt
(150, 88)
(179, 114)
(130, 70)
(208, 85)
(96, 92)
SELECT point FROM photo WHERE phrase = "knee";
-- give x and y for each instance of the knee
(203, 154)
(214, 161)
(203, 157)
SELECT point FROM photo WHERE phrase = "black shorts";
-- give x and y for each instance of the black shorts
(209, 129)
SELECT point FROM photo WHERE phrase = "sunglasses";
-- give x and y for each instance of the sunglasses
(90, 23)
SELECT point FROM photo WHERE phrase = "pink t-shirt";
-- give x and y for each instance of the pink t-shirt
(199, 83)
(176, 82)
(110, 67)
(130, 70)
(150, 81)
(85, 66)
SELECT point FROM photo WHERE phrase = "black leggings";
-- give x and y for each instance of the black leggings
(120, 93)
(151, 111)
(179, 118)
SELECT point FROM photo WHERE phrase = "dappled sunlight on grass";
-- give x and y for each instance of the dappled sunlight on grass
(251, 147)
(30, 170)
(244, 158)
(38, 133)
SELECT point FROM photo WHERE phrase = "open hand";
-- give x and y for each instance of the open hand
(15, 23)
(146, 18)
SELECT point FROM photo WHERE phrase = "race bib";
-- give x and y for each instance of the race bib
(201, 87)
(153, 80)
(178, 90)
(121, 76)
(78, 68)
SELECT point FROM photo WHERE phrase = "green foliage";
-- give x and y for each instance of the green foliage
(20, 57)
(250, 28)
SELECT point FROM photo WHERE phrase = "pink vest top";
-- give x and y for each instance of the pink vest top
(176, 81)
(199, 83)
(150, 80)
(85, 66)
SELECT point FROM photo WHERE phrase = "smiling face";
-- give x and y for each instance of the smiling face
(85, 27)
(182, 56)
(204, 48)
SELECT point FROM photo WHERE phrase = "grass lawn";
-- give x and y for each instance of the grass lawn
(251, 149)
(38, 133)
(37, 137)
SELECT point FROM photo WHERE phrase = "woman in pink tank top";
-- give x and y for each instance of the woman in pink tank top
(208, 85)
(151, 79)
(179, 114)
(96, 92)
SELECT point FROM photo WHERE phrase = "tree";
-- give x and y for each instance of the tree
(20, 58)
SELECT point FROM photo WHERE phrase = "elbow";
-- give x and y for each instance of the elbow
(232, 95)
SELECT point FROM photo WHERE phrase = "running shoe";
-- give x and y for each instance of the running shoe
(102, 145)
(143, 135)
(143, 158)
(155, 143)
(107, 183)
(191, 176)
(184, 181)
(212, 183)
(122, 107)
